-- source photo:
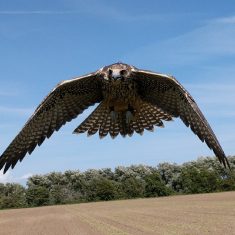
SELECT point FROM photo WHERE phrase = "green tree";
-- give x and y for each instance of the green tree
(12, 195)
(154, 186)
(170, 175)
(199, 180)
(37, 196)
(228, 182)
(101, 189)
(133, 187)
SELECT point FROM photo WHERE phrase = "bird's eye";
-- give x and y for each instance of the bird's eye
(123, 72)
(110, 72)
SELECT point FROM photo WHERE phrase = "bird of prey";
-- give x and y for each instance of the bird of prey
(130, 100)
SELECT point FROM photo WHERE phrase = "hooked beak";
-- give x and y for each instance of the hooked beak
(116, 74)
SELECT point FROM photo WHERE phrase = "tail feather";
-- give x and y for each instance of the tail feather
(114, 129)
(137, 125)
(118, 127)
(121, 126)
(145, 118)
(99, 118)
(130, 130)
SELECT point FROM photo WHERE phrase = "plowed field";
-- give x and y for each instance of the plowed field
(191, 214)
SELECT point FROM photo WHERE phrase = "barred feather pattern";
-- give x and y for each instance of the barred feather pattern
(63, 104)
(145, 118)
(140, 100)
(167, 93)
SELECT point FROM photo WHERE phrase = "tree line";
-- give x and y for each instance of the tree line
(204, 175)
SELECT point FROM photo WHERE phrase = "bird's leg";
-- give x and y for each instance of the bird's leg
(129, 114)
(113, 115)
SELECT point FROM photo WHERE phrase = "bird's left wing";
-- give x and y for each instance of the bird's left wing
(167, 93)
(65, 102)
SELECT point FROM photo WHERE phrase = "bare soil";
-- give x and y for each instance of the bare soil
(192, 214)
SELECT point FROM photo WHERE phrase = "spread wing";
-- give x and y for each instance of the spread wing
(167, 93)
(64, 103)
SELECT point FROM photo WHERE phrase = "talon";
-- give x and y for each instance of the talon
(129, 116)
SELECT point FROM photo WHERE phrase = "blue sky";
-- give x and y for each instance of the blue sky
(42, 44)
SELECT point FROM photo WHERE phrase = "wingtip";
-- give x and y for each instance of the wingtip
(101, 136)
(226, 163)
(5, 170)
(2, 164)
(7, 166)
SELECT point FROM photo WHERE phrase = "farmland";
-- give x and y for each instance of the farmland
(188, 214)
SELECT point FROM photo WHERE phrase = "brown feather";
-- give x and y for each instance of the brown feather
(63, 104)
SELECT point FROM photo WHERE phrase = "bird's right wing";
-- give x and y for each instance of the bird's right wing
(64, 103)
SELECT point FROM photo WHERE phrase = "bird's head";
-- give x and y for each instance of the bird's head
(116, 72)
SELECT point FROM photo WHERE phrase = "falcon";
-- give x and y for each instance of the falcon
(130, 100)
